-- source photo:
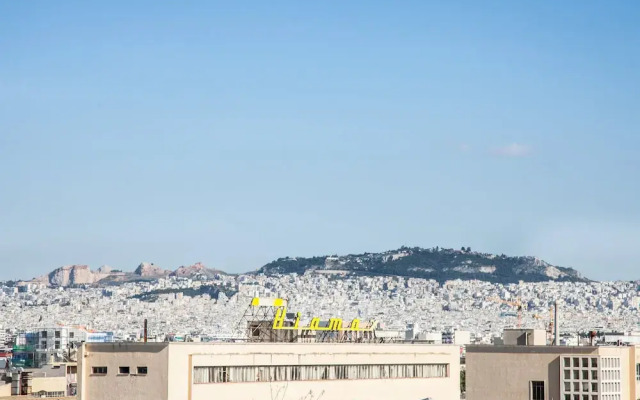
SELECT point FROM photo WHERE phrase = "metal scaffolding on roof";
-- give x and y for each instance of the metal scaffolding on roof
(267, 320)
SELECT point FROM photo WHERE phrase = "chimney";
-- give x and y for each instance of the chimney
(145, 330)
(592, 335)
(556, 324)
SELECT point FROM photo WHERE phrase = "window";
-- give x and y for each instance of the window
(123, 370)
(638, 372)
(71, 335)
(594, 363)
(295, 374)
(142, 370)
(594, 387)
(585, 375)
(585, 363)
(43, 334)
(537, 390)
(57, 334)
(576, 362)
(222, 374)
(99, 370)
(567, 362)
(576, 374)
(594, 375)
(57, 345)
(42, 393)
(567, 374)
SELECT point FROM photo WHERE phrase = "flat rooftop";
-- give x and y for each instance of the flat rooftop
(48, 371)
(165, 344)
(487, 348)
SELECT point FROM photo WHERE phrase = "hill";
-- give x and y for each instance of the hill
(196, 270)
(435, 263)
(74, 275)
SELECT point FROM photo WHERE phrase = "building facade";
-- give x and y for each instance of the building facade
(283, 371)
(48, 346)
(552, 372)
(51, 381)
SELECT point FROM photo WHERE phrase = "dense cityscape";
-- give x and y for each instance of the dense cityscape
(52, 321)
(174, 305)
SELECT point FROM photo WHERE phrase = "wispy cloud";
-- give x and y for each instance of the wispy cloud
(464, 148)
(513, 150)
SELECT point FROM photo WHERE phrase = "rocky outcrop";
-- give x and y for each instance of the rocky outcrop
(70, 275)
(105, 269)
(197, 269)
(146, 269)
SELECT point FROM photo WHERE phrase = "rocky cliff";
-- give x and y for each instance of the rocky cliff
(73, 275)
(197, 269)
(146, 269)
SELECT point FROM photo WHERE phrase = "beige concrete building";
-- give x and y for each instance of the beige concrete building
(56, 380)
(552, 373)
(524, 337)
(268, 371)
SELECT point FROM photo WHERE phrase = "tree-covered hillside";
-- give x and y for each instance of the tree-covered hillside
(435, 263)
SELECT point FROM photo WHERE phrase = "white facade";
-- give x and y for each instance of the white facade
(288, 371)
(591, 377)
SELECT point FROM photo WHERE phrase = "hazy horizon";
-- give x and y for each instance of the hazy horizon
(135, 265)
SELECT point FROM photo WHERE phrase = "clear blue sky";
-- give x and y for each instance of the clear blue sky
(234, 133)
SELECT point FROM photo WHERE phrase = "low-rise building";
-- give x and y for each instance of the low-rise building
(552, 372)
(524, 337)
(284, 371)
(48, 346)
(57, 380)
(461, 338)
